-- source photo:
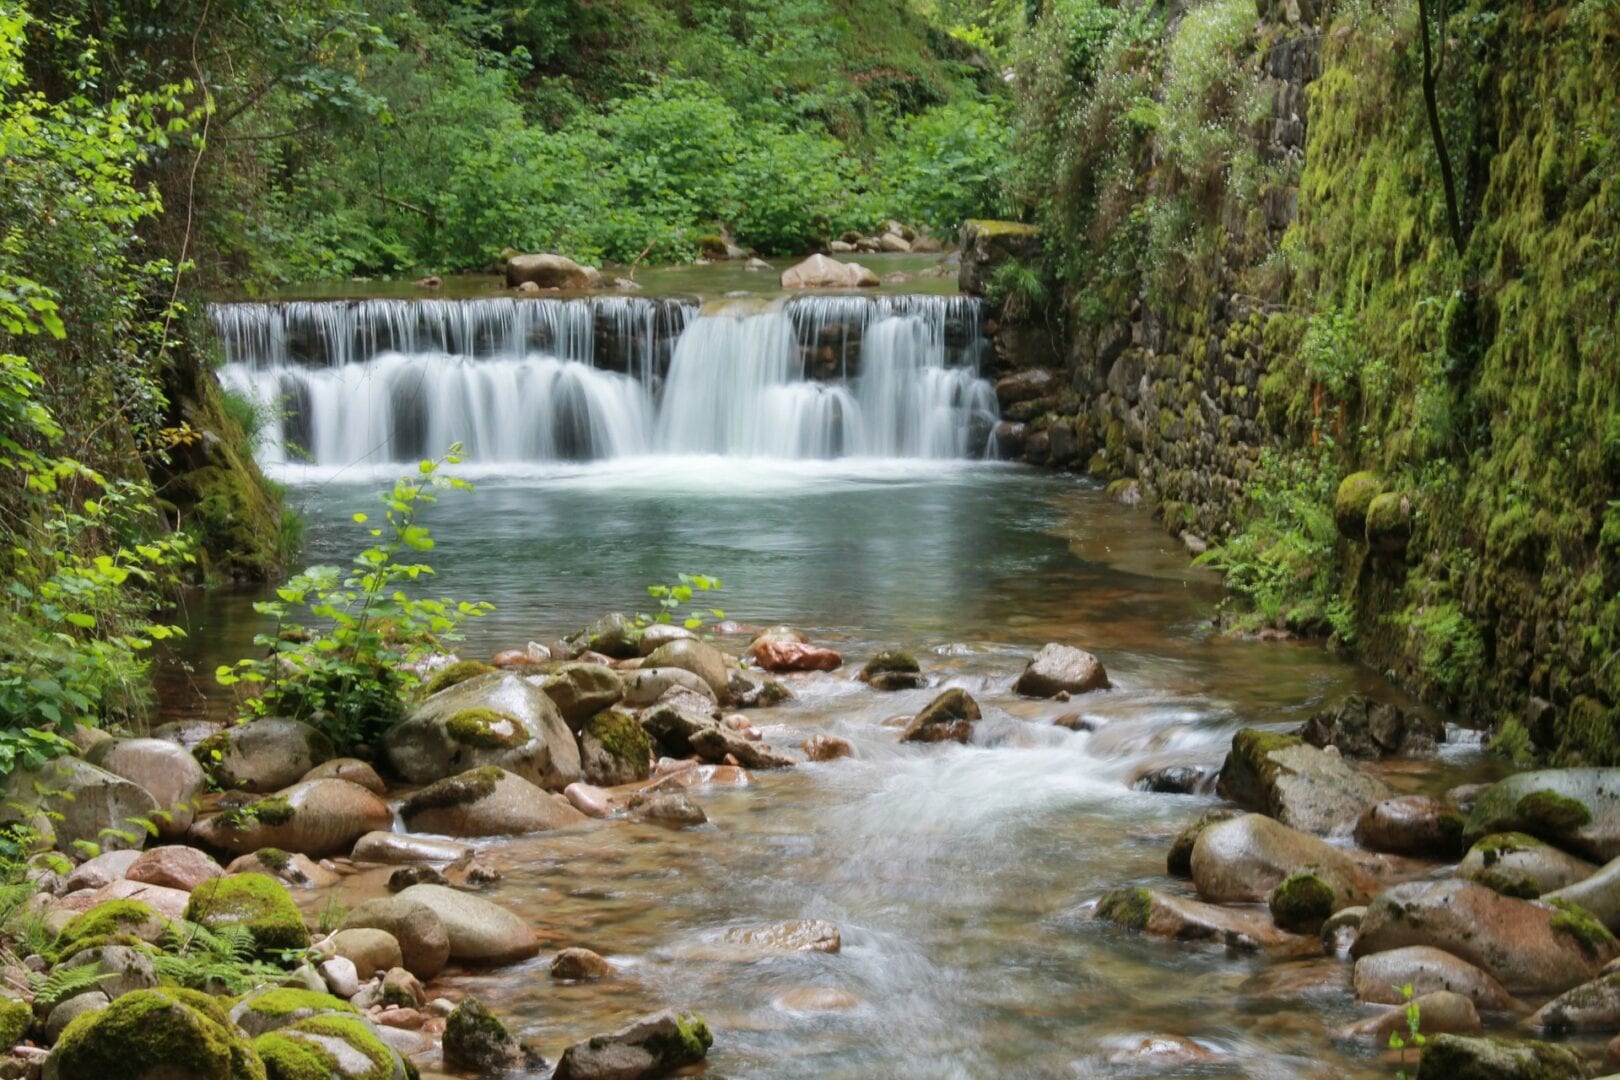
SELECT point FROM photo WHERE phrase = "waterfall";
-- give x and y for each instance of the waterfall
(520, 380)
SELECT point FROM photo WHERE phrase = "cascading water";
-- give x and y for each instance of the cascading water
(525, 381)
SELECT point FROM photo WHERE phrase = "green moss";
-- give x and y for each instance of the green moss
(1583, 926)
(15, 1017)
(690, 1042)
(1389, 526)
(1355, 495)
(287, 1057)
(891, 661)
(1508, 882)
(475, 1038)
(115, 922)
(290, 999)
(772, 692)
(256, 901)
(991, 227)
(353, 1031)
(455, 674)
(154, 1030)
(1493, 847)
(1301, 902)
(620, 735)
(457, 790)
(1553, 812)
(274, 858)
(1129, 908)
(478, 727)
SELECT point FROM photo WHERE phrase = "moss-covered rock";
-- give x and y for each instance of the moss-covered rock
(275, 1007)
(514, 725)
(1129, 908)
(1575, 809)
(329, 1047)
(255, 901)
(892, 669)
(313, 817)
(1301, 902)
(1356, 493)
(158, 1034)
(1460, 1057)
(948, 718)
(477, 1041)
(16, 1015)
(1296, 783)
(112, 922)
(614, 749)
(486, 802)
(453, 675)
(650, 1047)
(263, 755)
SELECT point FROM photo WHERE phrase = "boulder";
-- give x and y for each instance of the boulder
(1361, 728)
(122, 969)
(1576, 809)
(1599, 894)
(272, 1007)
(1356, 493)
(1178, 862)
(657, 635)
(615, 636)
(948, 718)
(576, 964)
(820, 272)
(549, 271)
(174, 866)
(803, 935)
(263, 755)
(157, 1034)
(351, 769)
(1296, 783)
(475, 1040)
(1177, 918)
(1379, 978)
(1520, 865)
(644, 686)
(652, 1046)
(1592, 1006)
(164, 770)
(371, 951)
(671, 729)
(1438, 1011)
(1029, 385)
(1058, 669)
(1246, 858)
(700, 658)
(392, 847)
(84, 802)
(1178, 780)
(716, 744)
(892, 669)
(488, 801)
(64, 1013)
(255, 901)
(496, 719)
(580, 691)
(670, 809)
(1411, 825)
(987, 244)
(614, 749)
(1461, 1057)
(781, 656)
(826, 748)
(103, 869)
(342, 1047)
(170, 903)
(287, 867)
(480, 932)
(313, 817)
(424, 941)
(1529, 948)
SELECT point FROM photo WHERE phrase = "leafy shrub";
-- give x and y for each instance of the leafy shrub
(948, 164)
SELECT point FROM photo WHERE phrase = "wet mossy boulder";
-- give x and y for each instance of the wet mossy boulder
(1463, 1057)
(613, 635)
(262, 755)
(1389, 523)
(454, 675)
(1359, 727)
(116, 922)
(1517, 864)
(948, 718)
(255, 901)
(313, 817)
(497, 719)
(1356, 493)
(1575, 809)
(1296, 783)
(1301, 902)
(16, 1015)
(652, 1046)
(487, 801)
(580, 691)
(329, 1047)
(158, 1034)
(282, 1006)
(614, 749)
(892, 669)
(475, 1040)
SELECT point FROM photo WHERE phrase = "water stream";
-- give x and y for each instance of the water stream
(957, 875)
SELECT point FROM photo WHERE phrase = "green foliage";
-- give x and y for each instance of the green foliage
(350, 670)
(947, 165)
(671, 597)
(222, 959)
(1414, 1037)
(1019, 290)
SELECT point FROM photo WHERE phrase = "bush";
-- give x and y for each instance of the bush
(947, 165)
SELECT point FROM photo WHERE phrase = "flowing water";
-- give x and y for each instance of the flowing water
(958, 875)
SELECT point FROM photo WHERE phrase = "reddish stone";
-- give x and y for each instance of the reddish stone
(778, 656)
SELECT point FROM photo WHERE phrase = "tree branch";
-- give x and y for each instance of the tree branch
(1432, 107)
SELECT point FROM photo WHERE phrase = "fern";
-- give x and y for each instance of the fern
(67, 980)
(219, 959)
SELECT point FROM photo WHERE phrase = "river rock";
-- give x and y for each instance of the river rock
(1529, 948)
(589, 800)
(1361, 728)
(1379, 978)
(287, 867)
(826, 748)
(716, 744)
(577, 963)
(820, 272)
(497, 719)
(174, 866)
(170, 903)
(672, 729)
(1411, 825)
(475, 1040)
(164, 770)
(652, 1046)
(1296, 783)
(255, 901)
(551, 271)
(83, 800)
(351, 769)
(263, 755)
(1439, 1011)
(784, 656)
(1028, 385)
(1461, 1057)
(348, 1048)
(1520, 865)
(1058, 669)
(488, 801)
(1592, 1006)
(480, 932)
(948, 718)
(314, 817)
(1178, 862)
(392, 847)
(614, 749)
(670, 809)
(580, 691)
(804, 935)
(371, 951)
(1178, 918)
(892, 669)
(1599, 894)
(1576, 809)
(123, 968)
(1177, 780)
(271, 1007)
(660, 634)
(645, 686)
(65, 1012)
(423, 939)
(1246, 858)
(103, 869)
(143, 1034)
(700, 658)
